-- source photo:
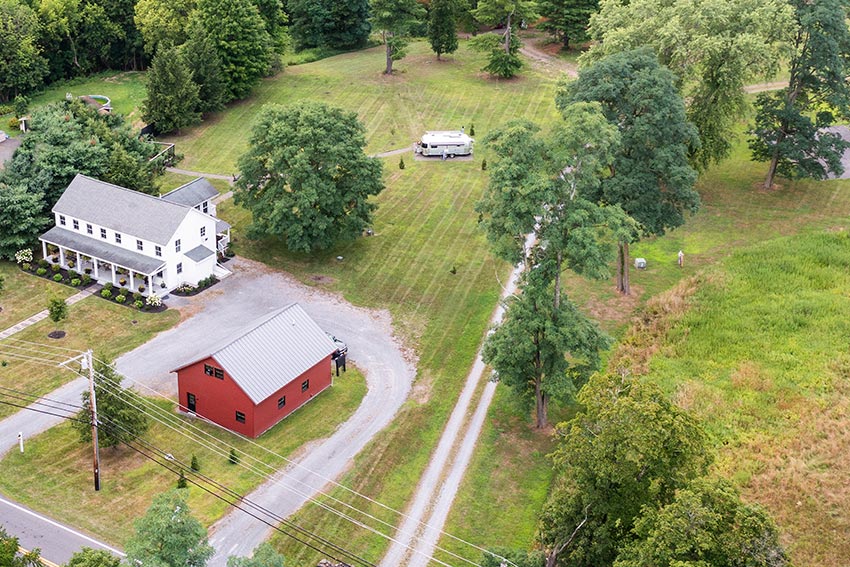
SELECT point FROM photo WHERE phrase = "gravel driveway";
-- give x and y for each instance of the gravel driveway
(250, 292)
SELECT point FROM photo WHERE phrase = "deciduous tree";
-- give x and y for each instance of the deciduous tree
(305, 178)
(651, 177)
(395, 18)
(163, 22)
(264, 556)
(789, 131)
(168, 535)
(57, 310)
(118, 409)
(328, 23)
(630, 447)
(22, 66)
(10, 555)
(88, 557)
(442, 26)
(543, 349)
(714, 47)
(567, 20)
(21, 219)
(239, 34)
(705, 524)
(508, 12)
(172, 96)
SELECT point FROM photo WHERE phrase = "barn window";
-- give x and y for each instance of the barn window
(240, 417)
(208, 370)
(218, 373)
(281, 402)
(305, 385)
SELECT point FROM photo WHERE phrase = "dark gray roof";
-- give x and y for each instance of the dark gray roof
(103, 250)
(221, 226)
(199, 253)
(123, 210)
(273, 351)
(192, 194)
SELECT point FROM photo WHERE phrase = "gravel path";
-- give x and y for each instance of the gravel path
(250, 292)
(438, 487)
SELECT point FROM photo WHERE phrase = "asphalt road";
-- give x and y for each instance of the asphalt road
(56, 541)
(253, 290)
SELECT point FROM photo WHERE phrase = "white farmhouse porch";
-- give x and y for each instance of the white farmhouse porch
(106, 262)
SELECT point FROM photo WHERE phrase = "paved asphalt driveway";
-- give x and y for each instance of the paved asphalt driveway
(213, 316)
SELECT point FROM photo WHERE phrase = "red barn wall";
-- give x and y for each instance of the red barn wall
(219, 399)
(266, 414)
(216, 399)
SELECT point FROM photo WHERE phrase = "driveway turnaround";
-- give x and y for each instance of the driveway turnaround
(214, 315)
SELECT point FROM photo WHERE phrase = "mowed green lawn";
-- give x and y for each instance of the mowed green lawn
(425, 94)
(25, 295)
(130, 481)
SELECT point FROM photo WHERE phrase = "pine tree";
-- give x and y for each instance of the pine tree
(442, 26)
(172, 96)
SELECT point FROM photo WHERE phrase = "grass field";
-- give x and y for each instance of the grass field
(762, 356)
(125, 89)
(106, 327)
(129, 481)
(25, 295)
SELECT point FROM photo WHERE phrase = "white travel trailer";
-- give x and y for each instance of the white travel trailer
(450, 143)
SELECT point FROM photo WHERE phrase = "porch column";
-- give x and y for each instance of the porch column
(132, 281)
(44, 249)
(150, 284)
(95, 262)
(79, 265)
(113, 273)
(61, 256)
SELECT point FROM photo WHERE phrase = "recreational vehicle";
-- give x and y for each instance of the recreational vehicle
(450, 143)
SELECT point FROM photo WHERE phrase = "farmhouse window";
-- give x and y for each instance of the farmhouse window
(281, 402)
(139, 245)
(118, 238)
(177, 245)
(62, 220)
(158, 251)
(180, 268)
(240, 417)
(76, 224)
(305, 385)
(206, 206)
(103, 233)
(203, 231)
(89, 229)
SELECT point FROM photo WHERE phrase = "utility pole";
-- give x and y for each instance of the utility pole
(88, 364)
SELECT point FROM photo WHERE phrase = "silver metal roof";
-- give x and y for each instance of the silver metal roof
(274, 351)
(103, 250)
(192, 194)
(199, 253)
(122, 210)
(221, 226)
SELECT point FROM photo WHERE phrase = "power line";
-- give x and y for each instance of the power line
(254, 469)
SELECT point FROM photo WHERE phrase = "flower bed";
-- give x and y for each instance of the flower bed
(187, 290)
(152, 303)
(54, 272)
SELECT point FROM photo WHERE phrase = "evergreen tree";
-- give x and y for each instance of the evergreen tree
(442, 26)
(239, 34)
(789, 131)
(172, 96)
(205, 65)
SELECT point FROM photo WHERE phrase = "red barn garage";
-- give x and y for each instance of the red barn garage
(256, 379)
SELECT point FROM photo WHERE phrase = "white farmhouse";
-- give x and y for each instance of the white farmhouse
(115, 233)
